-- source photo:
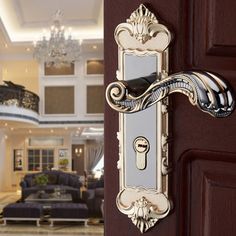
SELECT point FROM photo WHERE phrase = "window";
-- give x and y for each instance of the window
(33, 159)
(46, 141)
(40, 159)
(98, 170)
(47, 159)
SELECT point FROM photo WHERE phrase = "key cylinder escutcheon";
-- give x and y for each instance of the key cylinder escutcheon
(141, 147)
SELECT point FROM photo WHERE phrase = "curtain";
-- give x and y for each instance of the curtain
(95, 153)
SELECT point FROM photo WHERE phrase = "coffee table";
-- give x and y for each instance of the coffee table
(59, 207)
(48, 198)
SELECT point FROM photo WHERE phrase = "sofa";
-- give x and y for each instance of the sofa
(69, 183)
(94, 196)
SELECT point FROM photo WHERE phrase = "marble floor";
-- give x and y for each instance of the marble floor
(95, 228)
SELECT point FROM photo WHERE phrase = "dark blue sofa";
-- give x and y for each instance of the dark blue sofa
(94, 196)
(66, 181)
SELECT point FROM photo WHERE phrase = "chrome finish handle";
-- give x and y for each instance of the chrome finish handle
(204, 89)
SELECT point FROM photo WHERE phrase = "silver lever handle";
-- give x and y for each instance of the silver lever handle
(204, 89)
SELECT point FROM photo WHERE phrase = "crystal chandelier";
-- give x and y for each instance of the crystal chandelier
(58, 49)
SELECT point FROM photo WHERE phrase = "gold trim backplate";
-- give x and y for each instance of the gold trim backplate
(143, 36)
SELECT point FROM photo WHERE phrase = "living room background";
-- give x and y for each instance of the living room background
(69, 127)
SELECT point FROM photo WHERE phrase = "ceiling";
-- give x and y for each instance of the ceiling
(22, 22)
(80, 132)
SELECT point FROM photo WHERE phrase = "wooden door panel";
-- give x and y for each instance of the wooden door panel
(220, 27)
(211, 35)
(208, 193)
(203, 183)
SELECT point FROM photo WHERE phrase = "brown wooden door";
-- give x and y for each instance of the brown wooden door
(203, 181)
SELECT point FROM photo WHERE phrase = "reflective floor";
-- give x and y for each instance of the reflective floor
(95, 227)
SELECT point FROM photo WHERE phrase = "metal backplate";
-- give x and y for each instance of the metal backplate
(143, 159)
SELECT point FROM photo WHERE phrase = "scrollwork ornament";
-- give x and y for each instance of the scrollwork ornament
(141, 216)
(142, 26)
(143, 213)
(141, 21)
(165, 168)
(205, 90)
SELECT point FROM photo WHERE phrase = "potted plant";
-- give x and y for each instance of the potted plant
(63, 163)
(41, 179)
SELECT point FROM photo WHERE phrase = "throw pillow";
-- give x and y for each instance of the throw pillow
(63, 179)
(72, 180)
(30, 181)
(52, 179)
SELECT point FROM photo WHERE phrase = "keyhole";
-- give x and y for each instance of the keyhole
(141, 147)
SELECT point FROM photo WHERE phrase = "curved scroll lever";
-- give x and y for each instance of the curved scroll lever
(204, 89)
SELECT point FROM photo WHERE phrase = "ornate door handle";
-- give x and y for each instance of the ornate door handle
(204, 89)
(143, 82)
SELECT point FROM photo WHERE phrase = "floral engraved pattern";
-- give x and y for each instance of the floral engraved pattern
(143, 213)
(141, 20)
(141, 216)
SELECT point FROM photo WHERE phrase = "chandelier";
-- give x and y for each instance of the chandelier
(58, 49)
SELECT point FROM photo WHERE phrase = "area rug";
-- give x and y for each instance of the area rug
(94, 228)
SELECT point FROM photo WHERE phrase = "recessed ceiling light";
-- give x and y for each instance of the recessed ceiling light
(96, 129)
(6, 45)
(51, 130)
(30, 131)
(12, 128)
(66, 128)
(28, 49)
(93, 134)
(6, 137)
(95, 46)
(6, 124)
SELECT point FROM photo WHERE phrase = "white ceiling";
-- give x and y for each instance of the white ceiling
(24, 20)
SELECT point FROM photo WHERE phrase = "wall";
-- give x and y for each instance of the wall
(2, 158)
(80, 81)
(24, 72)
